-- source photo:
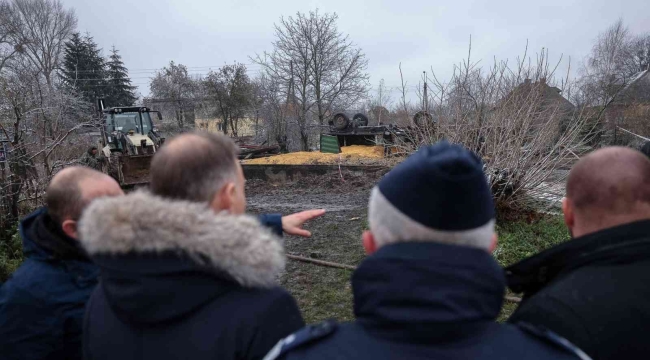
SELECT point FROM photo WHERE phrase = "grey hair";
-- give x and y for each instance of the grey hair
(389, 225)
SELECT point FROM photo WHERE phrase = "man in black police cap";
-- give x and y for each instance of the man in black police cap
(430, 288)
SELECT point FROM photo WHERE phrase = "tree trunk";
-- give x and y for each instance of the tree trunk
(224, 125)
(321, 116)
(304, 137)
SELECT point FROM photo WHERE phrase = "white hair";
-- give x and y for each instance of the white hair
(389, 225)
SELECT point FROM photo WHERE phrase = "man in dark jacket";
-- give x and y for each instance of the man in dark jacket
(430, 288)
(42, 304)
(184, 273)
(593, 290)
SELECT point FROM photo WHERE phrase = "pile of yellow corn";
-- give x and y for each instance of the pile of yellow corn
(349, 154)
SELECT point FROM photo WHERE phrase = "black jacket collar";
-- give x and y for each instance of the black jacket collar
(621, 244)
(427, 291)
(43, 238)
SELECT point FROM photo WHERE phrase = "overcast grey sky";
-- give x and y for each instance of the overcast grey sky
(422, 34)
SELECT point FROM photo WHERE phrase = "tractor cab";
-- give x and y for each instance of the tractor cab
(130, 130)
(129, 140)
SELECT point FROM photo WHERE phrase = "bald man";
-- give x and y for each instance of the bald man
(185, 273)
(593, 290)
(42, 305)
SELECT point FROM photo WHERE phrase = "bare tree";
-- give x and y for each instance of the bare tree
(380, 104)
(338, 67)
(8, 47)
(39, 119)
(41, 27)
(290, 75)
(38, 133)
(173, 86)
(274, 108)
(404, 103)
(515, 118)
(640, 51)
(231, 90)
(614, 59)
(317, 66)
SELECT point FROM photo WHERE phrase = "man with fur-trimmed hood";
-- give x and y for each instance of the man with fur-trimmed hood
(185, 274)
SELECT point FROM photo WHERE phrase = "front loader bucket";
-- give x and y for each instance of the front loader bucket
(135, 169)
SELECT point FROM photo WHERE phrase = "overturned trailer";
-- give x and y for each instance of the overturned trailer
(356, 131)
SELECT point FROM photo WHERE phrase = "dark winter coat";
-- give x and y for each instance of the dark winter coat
(42, 304)
(424, 301)
(273, 222)
(179, 282)
(593, 290)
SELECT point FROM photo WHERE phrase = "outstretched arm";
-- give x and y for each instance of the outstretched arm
(290, 224)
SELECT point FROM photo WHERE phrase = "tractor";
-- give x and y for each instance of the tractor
(128, 140)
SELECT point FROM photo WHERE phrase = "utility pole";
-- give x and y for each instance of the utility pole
(426, 98)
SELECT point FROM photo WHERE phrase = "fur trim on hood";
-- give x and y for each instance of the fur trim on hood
(144, 223)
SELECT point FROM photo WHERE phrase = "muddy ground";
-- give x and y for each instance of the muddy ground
(321, 292)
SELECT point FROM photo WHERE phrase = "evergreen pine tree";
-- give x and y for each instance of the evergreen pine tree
(73, 60)
(120, 91)
(95, 80)
(84, 68)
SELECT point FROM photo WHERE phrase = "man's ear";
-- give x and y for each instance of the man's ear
(70, 228)
(495, 242)
(369, 242)
(225, 198)
(569, 215)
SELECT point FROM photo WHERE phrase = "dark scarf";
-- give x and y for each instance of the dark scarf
(48, 235)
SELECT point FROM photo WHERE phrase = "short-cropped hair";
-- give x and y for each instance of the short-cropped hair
(193, 166)
(389, 226)
(64, 196)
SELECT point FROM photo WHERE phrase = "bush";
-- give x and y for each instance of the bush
(526, 237)
(11, 255)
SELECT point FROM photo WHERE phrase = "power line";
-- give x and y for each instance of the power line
(189, 68)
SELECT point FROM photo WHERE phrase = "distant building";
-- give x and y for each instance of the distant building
(246, 127)
(549, 96)
(552, 107)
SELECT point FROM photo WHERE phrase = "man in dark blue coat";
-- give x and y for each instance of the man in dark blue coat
(184, 272)
(430, 288)
(42, 304)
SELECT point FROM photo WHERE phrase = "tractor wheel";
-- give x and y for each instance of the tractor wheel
(341, 121)
(360, 119)
(114, 166)
(422, 118)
